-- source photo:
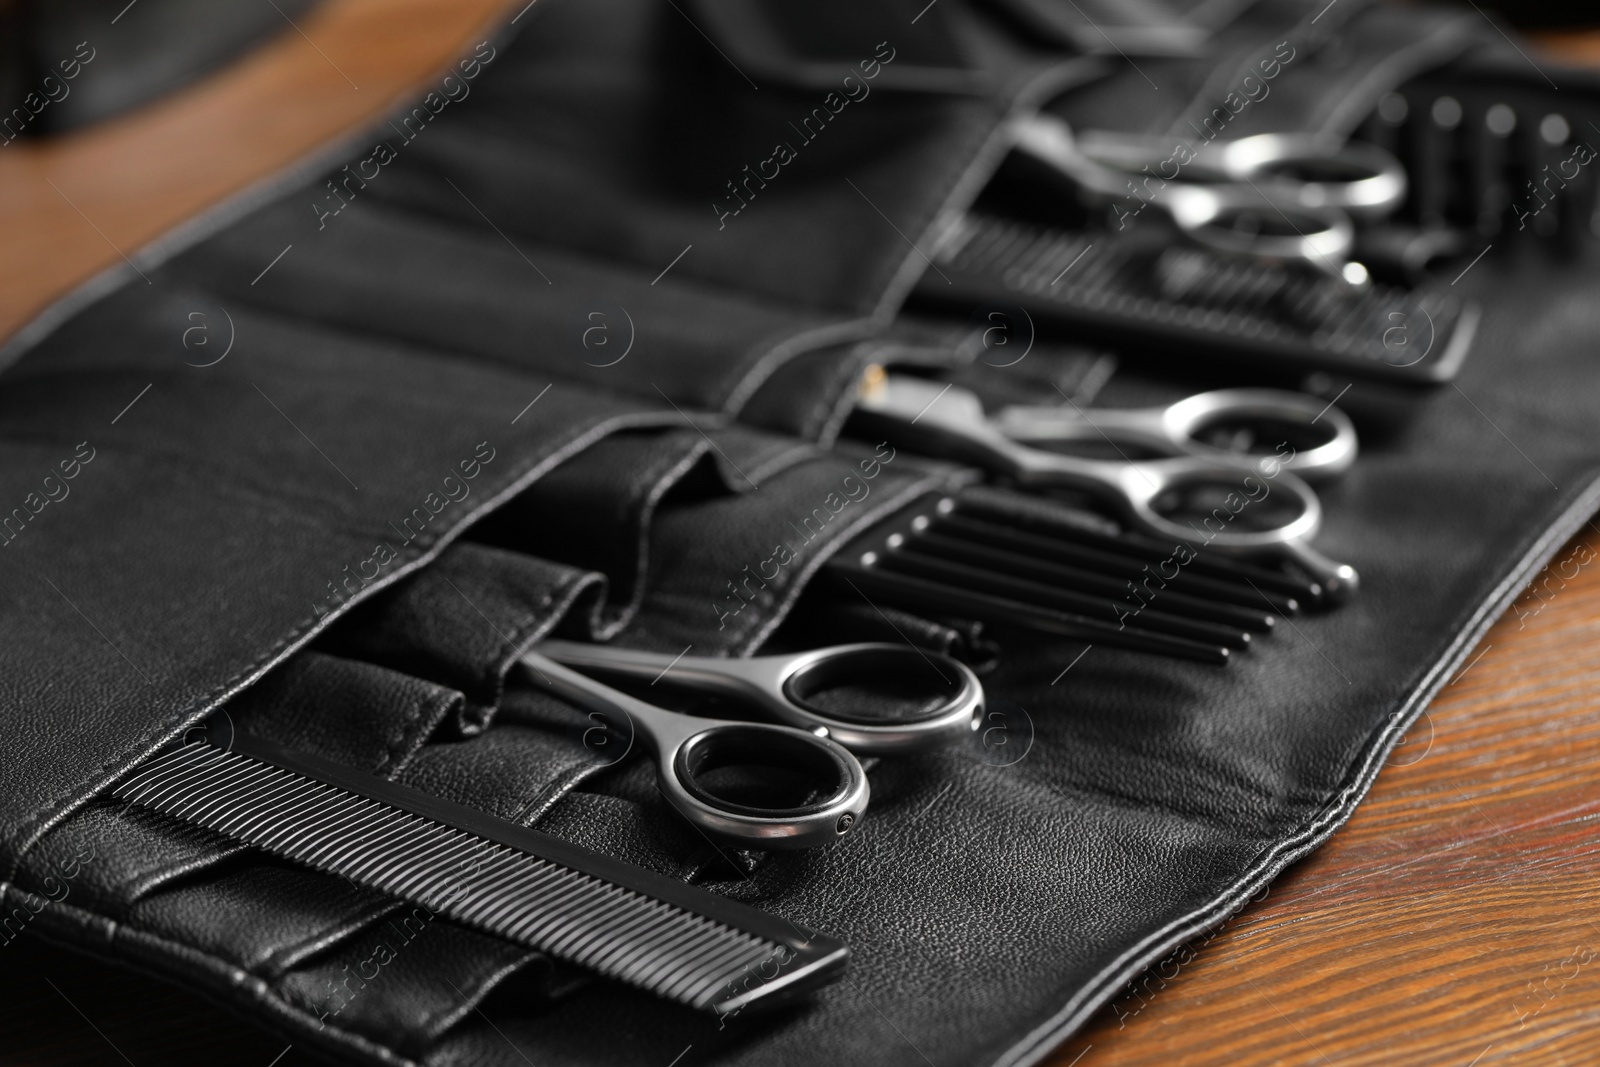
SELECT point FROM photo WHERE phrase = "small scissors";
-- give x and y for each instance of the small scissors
(917, 701)
(948, 421)
(1180, 429)
(1270, 196)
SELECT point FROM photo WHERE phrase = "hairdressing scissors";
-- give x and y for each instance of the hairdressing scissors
(1270, 196)
(1213, 425)
(870, 698)
(946, 420)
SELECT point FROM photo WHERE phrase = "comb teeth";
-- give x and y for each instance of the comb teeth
(1145, 290)
(626, 932)
(994, 555)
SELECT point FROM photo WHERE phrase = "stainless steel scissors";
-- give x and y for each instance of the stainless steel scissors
(1178, 429)
(916, 702)
(945, 420)
(1270, 196)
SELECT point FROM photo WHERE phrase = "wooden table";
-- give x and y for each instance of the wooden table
(1453, 922)
(1455, 919)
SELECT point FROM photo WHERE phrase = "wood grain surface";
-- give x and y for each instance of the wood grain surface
(72, 206)
(1455, 921)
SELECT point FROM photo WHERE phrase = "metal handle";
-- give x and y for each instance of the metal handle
(1317, 231)
(950, 423)
(1137, 487)
(1172, 430)
(934, 702)
(1146, 483)
(1143, 484)
(1305, 170)
(1030, 424)
(929, 715)
(1359, 179)
(1339, 580)
(1050, 141)
(1188, 417)
(688, 749)
(805, 824)
(1215, 216)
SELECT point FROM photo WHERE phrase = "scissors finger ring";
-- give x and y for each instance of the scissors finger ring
(822, 796)
(874, 699)
(1181, 428)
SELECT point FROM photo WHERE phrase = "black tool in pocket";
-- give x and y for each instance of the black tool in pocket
(627, 923)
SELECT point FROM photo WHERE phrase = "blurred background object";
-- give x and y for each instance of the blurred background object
(1542, 14)
(68, 63)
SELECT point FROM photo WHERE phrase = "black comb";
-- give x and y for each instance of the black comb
(658, 934)
(997, 556)
(1492, 159)
(1147, 290)
(953, 555)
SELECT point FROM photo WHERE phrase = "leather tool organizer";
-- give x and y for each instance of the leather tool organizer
(486, 473)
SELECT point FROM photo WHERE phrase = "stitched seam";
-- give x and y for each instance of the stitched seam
(1348, 107)
(977, 160)
(302, 632)
(762, 629)
(213, 220)
(593, 583)
(539, 805)
(396, 749)
(137, 888)
(677, 468)
(534, 624)
(440, 1022)
(26, 828)
(239, 978)
(784, 454)
(788, 348)
(1536, 551)
(1224, 74)
(967, 156)
(281, 961)
(828, 416)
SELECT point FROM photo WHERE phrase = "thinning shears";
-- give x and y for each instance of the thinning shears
(830, 703)
(948, 421)
(1272, 196)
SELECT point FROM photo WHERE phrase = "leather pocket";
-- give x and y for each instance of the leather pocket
(738, 563)
(403, 982)
(604, 324)
(413, 305)
(418, 683)
(259, 915)
(112, 856)
(342, 955)
(461, 622)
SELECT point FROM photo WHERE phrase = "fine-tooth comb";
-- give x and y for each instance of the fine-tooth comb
(974, 555)
(658, 934)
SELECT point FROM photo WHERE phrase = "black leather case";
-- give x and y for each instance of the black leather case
(414, 461)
